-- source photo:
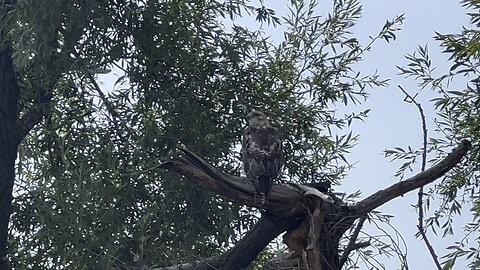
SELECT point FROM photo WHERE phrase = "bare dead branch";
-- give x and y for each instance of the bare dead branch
(438, 170)
(287, 209)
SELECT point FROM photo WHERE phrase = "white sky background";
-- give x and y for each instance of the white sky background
(391, 121)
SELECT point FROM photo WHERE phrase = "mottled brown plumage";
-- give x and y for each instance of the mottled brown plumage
(261, 154)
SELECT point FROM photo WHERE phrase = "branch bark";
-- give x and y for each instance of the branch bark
(284, 200)
(428, 176)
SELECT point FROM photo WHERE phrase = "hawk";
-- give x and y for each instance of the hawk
(261, 154)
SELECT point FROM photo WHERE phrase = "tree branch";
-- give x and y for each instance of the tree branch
(352, 244)
(287, 209)
(438, 170)
(247, 249)
(211, 263)
(266, 229)
(9, 95)
(284, 200)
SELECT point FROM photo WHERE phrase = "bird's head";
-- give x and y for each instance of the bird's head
(256, 117)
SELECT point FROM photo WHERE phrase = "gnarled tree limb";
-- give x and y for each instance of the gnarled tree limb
(284, 200)
(288, 207)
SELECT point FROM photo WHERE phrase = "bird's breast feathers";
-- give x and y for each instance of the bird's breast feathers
(261, 139)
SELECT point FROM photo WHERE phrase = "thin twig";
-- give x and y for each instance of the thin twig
(421, 228)
(395, 242)
(352, 245)
(103, 97)
(90, 76)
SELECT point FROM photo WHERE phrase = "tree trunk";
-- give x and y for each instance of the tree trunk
(9, 93)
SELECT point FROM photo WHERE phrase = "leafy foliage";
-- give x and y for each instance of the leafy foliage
(89, 191)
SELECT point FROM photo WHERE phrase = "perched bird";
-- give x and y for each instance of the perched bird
(261, 154)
